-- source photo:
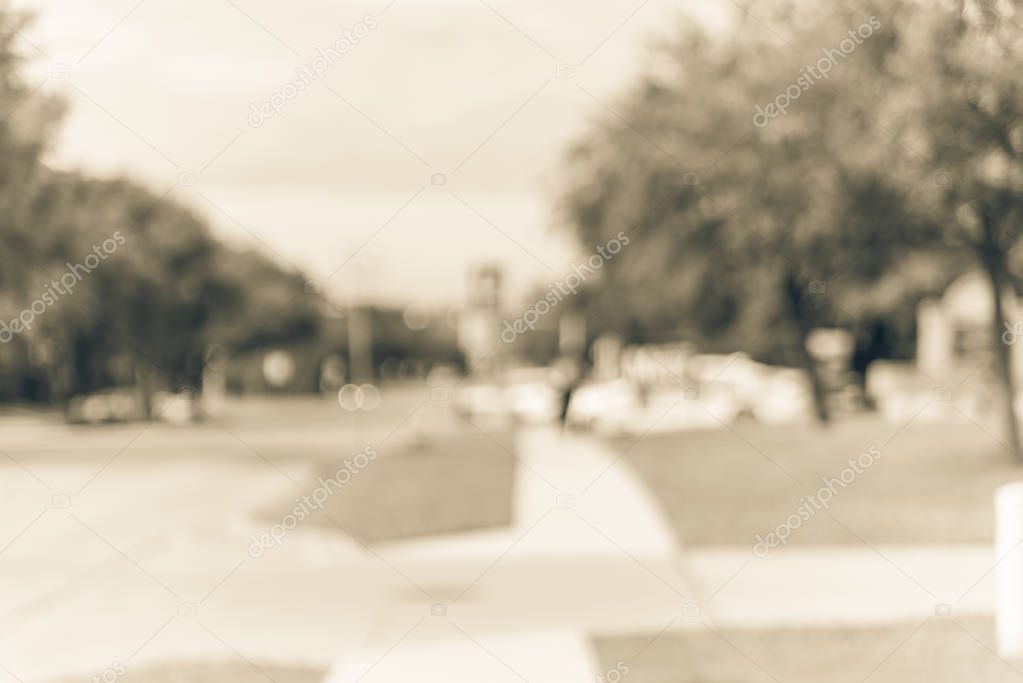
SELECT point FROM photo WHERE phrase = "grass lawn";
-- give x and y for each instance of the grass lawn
(932, 484)
(941, 651)
(458, 481)
(213, 672)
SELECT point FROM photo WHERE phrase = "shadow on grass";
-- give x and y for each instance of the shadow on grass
(933, 483)
(455, 482)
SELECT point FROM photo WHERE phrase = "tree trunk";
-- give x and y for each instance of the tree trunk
(820, 398)
(995, 268)
(802, 323)
(145, 383)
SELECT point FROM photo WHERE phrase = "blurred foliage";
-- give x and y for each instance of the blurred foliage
(161, 298)
(746, 235)
(962, 116)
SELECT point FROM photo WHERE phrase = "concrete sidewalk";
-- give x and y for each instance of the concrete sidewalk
(847, 585)
(572, 497)
(587, 551)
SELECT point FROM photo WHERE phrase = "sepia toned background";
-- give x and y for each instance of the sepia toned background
(470, 340)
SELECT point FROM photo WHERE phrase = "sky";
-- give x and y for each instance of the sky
(433, 144)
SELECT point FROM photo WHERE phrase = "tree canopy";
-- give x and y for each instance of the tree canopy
(793, 171)
(104, 282)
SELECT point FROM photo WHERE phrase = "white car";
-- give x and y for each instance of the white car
(603, 406)
(479, 400)
(533, 402)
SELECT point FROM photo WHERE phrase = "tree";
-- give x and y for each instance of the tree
(164, 292)
(109, 283)
(963, 111)
(871, 203)
(28, 121)
(742, 227)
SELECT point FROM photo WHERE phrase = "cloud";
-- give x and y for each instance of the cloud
(436, 87)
